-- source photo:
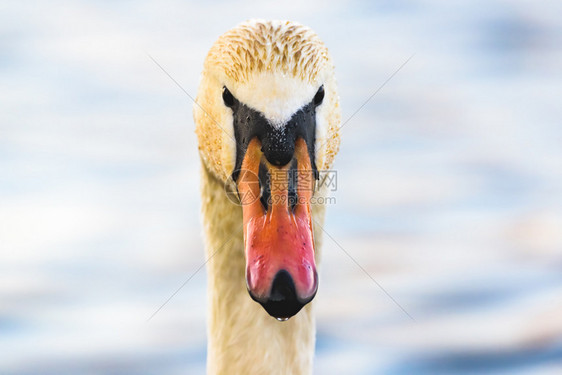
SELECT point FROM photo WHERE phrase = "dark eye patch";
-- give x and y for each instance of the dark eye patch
(319, 97)
(227, 97)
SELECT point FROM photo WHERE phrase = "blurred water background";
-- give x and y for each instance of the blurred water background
(449, 186)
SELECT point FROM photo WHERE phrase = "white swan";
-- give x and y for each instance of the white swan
(267, 104)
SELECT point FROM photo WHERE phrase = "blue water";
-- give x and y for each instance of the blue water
(449, 192)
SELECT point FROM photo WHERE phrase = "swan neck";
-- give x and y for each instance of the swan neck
(242, 337)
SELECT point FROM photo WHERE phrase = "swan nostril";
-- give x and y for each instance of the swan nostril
(265, 181)
(265, 186)
(293, 183)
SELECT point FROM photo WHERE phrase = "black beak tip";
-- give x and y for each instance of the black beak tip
(282, 302)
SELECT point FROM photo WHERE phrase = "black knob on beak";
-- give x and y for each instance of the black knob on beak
(278, 146)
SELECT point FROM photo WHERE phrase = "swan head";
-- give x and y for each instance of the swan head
(267, 116)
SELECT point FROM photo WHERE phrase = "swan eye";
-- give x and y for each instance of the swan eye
(227, 97)
(319, 96)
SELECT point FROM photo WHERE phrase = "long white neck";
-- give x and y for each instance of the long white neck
(243, 338)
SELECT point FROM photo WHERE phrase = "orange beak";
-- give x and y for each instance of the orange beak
(278, 239)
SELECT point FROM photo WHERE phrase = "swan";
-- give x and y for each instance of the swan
(267, 116)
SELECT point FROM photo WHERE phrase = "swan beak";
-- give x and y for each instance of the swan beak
(280, 268)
